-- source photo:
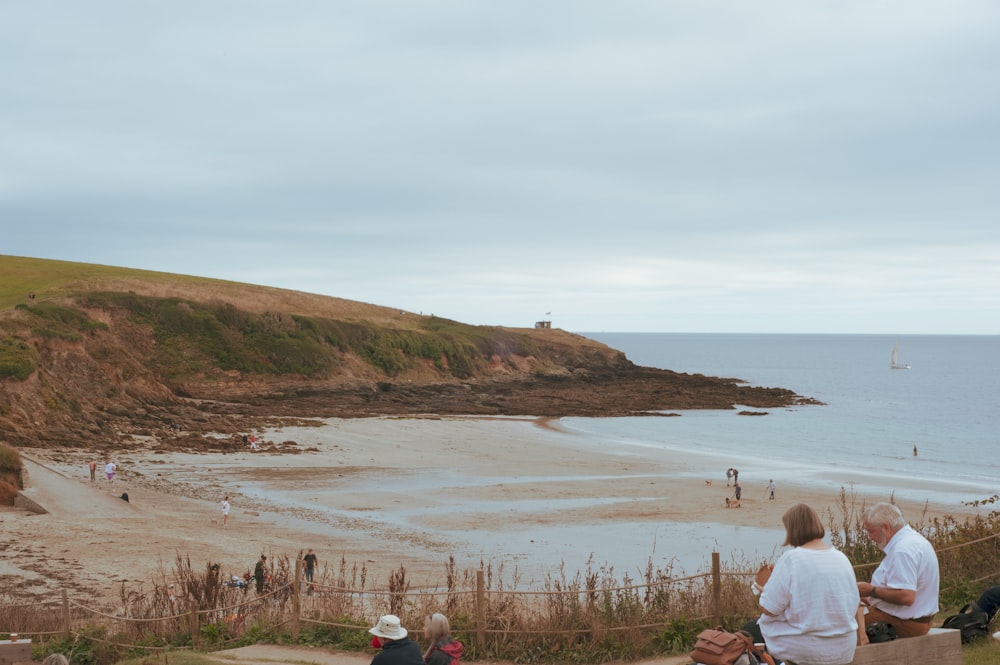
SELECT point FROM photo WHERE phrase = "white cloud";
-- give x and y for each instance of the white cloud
(772, 166)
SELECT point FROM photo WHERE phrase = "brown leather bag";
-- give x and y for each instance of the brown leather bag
(720, 647)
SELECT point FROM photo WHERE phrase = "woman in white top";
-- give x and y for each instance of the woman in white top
(810, 604)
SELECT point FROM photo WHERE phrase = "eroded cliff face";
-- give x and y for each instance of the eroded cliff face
(83, 392)
(109, 382)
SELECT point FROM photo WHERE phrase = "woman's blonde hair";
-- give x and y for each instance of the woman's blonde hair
(436, 626)
(802, 524)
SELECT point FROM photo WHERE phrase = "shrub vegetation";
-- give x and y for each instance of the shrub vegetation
(193, 337)
(17, 359)
(10, 459)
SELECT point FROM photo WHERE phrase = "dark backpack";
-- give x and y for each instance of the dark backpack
(971, 621)
(880, 631)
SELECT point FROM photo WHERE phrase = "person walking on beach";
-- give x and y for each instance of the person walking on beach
(736, 476)
(109, 470)
(259, 573)
(737, 491)
(225, 511)
(309, 562)
(93, 470)
(729, 475)
(770, 489)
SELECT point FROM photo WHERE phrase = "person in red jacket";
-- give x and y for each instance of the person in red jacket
(444, 649)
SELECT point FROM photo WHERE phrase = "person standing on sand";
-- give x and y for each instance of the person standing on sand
(729, 475)
(309, 562)
(771, 488)
(225, 511)
(93, 470)
(109, 470)
(259, 573)
(737, 491)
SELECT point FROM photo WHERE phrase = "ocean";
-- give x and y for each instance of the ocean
(947, 405)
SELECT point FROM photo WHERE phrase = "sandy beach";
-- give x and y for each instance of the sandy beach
(519, 493)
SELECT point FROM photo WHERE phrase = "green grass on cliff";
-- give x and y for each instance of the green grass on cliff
(17, 358)
(193, 336)
(54, 280)
(47, 278)
(200, 324)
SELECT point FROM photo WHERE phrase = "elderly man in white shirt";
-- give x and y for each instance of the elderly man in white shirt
(904, 588)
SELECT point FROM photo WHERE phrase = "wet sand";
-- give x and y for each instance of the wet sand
(519, 493)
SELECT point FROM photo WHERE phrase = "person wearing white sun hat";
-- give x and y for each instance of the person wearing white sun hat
(396, 647)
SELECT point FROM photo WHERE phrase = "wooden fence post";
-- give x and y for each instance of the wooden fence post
(193, 623)
(716, 589)
(67, 628)
(480, 610)
(296, 599)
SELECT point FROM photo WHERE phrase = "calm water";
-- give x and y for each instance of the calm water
(947, 404)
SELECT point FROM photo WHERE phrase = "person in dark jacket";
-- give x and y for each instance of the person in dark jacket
(989, 602)
(443, 649)
(397, 648)
(260, 573)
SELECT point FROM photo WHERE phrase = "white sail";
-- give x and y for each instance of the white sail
(894, 359)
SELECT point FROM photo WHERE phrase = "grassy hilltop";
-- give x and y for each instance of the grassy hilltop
(99, 354)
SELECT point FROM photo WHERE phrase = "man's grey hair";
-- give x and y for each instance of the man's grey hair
(884, 514)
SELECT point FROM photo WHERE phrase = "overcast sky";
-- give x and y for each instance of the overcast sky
(627, 166)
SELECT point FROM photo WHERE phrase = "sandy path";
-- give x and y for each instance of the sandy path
(265, 654)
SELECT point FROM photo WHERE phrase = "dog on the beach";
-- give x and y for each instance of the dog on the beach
(732, 503)
(708, 482)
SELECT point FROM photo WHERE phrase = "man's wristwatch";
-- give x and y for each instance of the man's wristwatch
(871, 594)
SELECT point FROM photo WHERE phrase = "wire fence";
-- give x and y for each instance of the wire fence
(591, 607)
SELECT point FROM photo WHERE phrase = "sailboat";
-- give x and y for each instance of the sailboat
(894, 359)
